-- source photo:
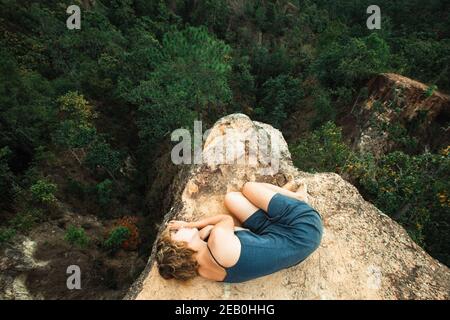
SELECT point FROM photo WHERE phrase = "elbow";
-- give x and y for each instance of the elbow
(227, 218)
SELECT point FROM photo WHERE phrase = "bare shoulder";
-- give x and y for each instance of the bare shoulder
(225, 246)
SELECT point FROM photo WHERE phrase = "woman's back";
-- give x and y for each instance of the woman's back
(284, 237)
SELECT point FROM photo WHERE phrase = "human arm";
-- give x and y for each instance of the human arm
(222, 239)
(221, 220)
(204, 233)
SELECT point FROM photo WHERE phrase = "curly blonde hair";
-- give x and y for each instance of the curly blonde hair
(175, 260)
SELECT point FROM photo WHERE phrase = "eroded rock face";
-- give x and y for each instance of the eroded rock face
(35, 266)
(15, 262)
(363, 255)
(396, 103)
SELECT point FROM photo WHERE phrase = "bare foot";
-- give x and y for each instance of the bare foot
(291, 185)
(302, 192)
(299, 188)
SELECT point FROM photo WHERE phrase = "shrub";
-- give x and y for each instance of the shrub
(324, 110)
(190, 78)
(104, 192)
(412, 190)
(74, 106)
(43, 192)
(100, 154)
(322, 150)
(423, 59)
(6, 176)
(117, 237)
(133, 240)
(280, 95)
(24, 221)
(270, 63)
(71, 134)
(430, 90)
(76, 236)
(6, 234)
(344, 63)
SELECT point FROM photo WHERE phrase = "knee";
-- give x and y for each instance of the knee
(248, 186)
(231, 197)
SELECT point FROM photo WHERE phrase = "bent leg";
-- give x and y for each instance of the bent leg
(240, 207)
(260, 193)
(288, 189)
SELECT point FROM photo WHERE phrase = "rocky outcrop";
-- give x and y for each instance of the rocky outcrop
(363, 255)
(35, 266)
(394, 107)
(15, 262)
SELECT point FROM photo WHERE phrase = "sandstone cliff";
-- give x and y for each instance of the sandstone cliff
(364, 254)
(394, 102)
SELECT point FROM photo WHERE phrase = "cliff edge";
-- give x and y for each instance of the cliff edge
(364, 254)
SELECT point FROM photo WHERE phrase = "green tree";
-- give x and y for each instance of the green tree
(73, 135)
(6, 234)
(191, 78)
(75, 131)
(116, 238)
(323, 108)
(322, 150)
(280, 95)
(6, 176)
(104, 192)
(425, 59)
(413, 189)
(215, 14)
(270, 63)
(73, 106)
(26, 107)
(101, 155)
(77, 237)
(350, 61)
(242, 83)
(43, 191)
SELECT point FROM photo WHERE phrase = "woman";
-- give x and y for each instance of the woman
(279, 230)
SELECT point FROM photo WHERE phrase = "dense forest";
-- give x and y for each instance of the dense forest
(85, 114)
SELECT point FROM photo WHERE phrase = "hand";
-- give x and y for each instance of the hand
(177, 224)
